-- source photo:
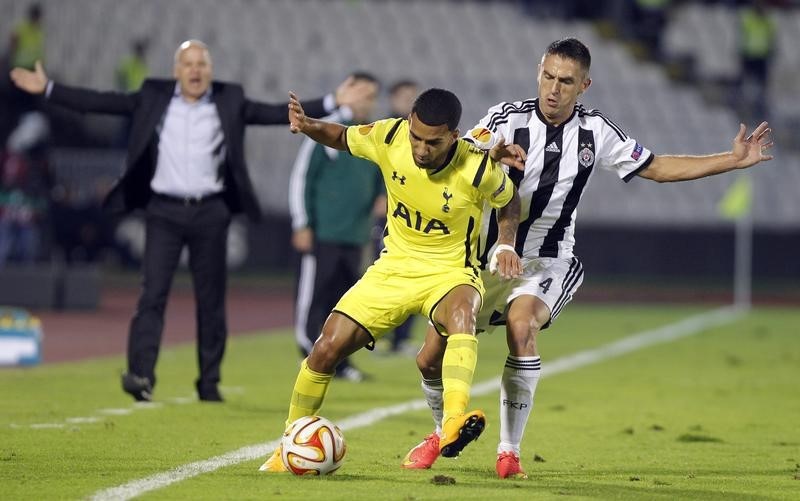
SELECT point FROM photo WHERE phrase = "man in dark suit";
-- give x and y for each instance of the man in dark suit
(185, 167)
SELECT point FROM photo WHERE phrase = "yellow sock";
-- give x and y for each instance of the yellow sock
(308, 393)
(458, 367)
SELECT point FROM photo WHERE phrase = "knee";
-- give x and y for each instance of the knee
(149, 304)
(526, 325)
(152, 298)
(324, 356)
(429, 366)
(462, 319)
(522, 333)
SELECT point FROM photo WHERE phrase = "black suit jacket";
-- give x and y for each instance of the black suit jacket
(146, 109)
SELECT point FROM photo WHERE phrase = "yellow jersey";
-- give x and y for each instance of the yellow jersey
(433, 216)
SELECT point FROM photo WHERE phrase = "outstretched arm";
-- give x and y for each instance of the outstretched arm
(327, 133)
(747, 151)
(74, 98)
(32, 82)
(347, 93)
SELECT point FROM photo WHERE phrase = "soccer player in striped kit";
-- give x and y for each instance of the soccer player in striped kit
(565, 143)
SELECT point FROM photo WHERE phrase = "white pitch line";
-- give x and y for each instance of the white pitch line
(671, 332)
(82, 420)
(115, 412)
(687, 327)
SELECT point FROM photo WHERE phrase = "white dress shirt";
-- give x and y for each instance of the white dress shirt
(191, 148)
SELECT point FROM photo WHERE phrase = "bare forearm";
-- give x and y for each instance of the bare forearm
(747, 151)
(669, 168)
(327, 133)
(508, 221)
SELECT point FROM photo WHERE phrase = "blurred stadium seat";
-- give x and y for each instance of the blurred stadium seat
(309, 46)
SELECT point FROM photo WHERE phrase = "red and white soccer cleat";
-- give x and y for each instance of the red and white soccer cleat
(423, 455)
(508, 466)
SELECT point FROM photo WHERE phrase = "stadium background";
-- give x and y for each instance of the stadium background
(708, 416)
(636, 240)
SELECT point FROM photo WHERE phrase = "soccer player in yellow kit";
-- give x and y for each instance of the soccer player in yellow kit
(437, 185)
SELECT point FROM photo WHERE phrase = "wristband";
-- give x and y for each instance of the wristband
(498, 250)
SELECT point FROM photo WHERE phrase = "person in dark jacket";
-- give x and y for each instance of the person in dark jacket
(185, 167)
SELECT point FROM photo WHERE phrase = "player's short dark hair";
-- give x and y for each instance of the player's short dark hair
(571, 48)
(400, 84)
(365, 75)
(438, 107)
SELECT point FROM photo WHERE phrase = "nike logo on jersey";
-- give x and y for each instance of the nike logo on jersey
(552, 148)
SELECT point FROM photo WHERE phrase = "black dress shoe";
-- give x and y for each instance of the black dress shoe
(210, 395)
(208, 392)
(140, 388)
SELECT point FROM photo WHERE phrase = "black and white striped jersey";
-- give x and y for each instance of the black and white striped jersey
(561, 160)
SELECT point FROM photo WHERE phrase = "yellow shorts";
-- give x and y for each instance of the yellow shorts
(393, 289)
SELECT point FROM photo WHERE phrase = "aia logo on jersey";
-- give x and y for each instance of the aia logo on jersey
(586, 155)
(419, 222)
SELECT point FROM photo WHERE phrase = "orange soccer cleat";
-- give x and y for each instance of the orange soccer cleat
(458, 431)
(274, 464)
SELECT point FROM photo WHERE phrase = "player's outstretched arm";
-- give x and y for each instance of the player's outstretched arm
(504, 259)
(510, 154)
(750, 150)
(32, 82)
(327, 133)
(746, 152)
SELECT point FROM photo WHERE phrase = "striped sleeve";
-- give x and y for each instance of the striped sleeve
(485, 133)
(498, 123)
(297, 185)
(617, 151)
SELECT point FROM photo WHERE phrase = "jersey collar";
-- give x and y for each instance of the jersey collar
(542, 118)
(447, 160)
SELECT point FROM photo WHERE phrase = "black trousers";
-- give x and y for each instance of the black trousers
(202, 228)
(324, 277)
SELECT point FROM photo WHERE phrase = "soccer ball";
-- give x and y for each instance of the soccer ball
(313, 445)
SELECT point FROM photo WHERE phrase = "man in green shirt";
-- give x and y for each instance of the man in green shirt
(133, 70)
(27, 40)
(332, 196)
(757, 35)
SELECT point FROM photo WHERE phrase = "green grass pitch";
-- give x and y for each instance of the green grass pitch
(711, 416)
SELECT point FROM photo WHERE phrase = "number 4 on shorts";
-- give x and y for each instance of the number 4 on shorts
(545, 285)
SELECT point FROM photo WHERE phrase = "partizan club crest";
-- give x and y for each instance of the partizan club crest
(586, 155)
